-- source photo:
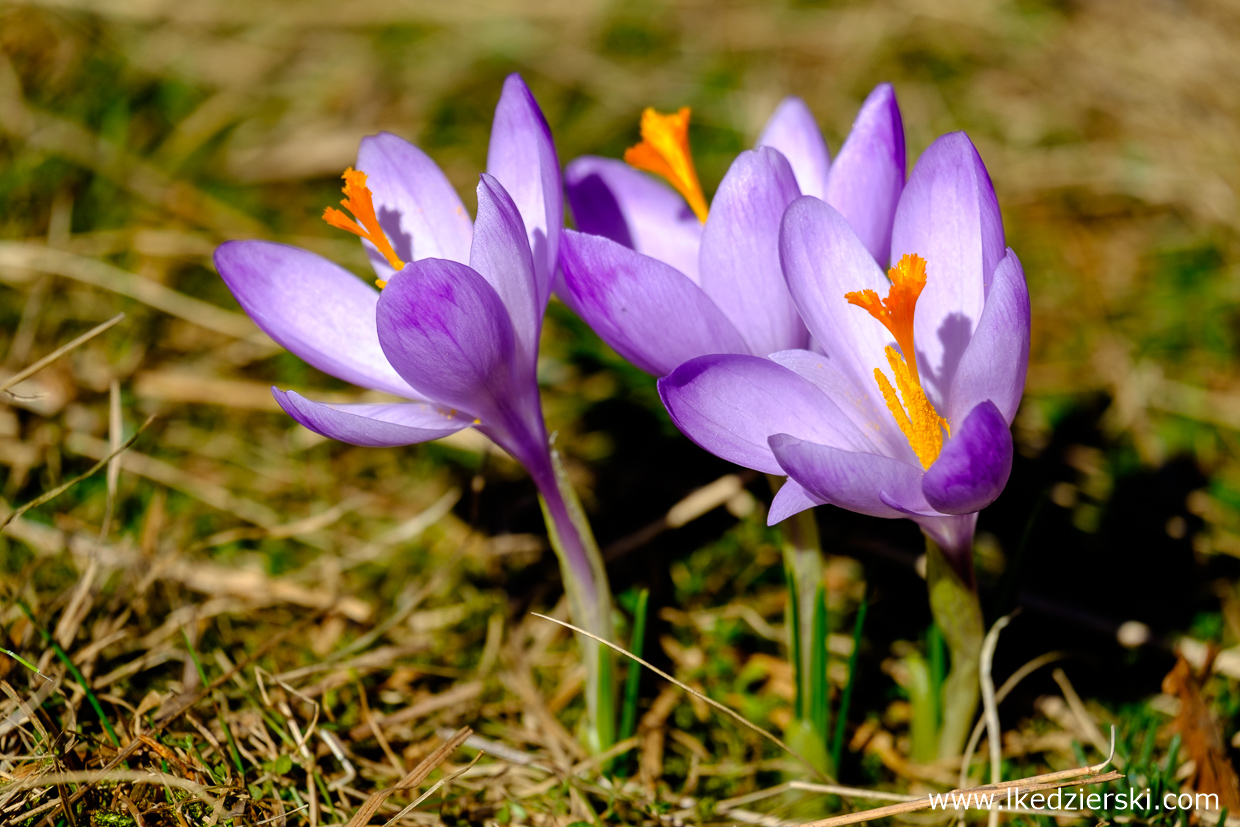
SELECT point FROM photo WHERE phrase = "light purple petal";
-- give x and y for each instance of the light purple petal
(375, 426)
(793, 131)
(501, 255)
(317, 310)
(974, 464)
(995, 362)
(868, 174)
(522, 156)
(949, 216)
(611, 199)
(850, 479)
(417, 207)
(740, 252)
(648, 312)
(448, 334)
(823, 260)
(792, 498)
(731, 404)
(860, 403)
(914, 508)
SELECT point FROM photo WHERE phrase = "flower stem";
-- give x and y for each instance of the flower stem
(589, 595)
(803, 560)
(958, 614)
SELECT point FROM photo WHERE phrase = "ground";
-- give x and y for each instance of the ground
(279, 626)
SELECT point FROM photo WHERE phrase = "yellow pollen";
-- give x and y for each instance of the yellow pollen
(358, 201)
(921, 424)
(918, 420)
(664, 150)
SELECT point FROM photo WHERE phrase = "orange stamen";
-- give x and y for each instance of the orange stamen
(921, 425)
(358, 201)
(908, 278)
(918, 420)
(664, 150)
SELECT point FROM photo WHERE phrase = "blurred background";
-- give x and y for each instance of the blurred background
(136, 135)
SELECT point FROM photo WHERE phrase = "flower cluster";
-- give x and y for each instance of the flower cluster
(780, 342)
(746, 309)
(663, 281)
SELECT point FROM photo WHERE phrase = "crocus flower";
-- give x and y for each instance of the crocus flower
(956, 310)
(904, 408)
(663, 277)
(656, 316)
(671, 224)
(453, 328)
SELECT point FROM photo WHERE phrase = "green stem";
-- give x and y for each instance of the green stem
(958, 614)
(589, 595)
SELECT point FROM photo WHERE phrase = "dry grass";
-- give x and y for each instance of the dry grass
(274, 627)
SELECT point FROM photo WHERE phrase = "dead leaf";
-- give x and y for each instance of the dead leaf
(1201, 736)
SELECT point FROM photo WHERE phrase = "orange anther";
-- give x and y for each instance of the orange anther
(908, 278)
(664, 150)
(918, 420)
(358, 201)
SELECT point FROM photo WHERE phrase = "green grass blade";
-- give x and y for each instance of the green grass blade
(632, 682)
(923, 731)
(818, 665)
(74, 671)
(936, 657)
(193, 655)
(24, 662)
(794, 630)
(606, 724)
(841, 714)
(63, 487)
(202, 676)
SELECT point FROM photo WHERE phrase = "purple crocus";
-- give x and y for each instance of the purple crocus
(953, 330)
(831, 421)
(674, 226)
(663, 277)
(453, 329)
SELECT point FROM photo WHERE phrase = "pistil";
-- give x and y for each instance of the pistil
(916, 417)
(358, 201)
(664, 150)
